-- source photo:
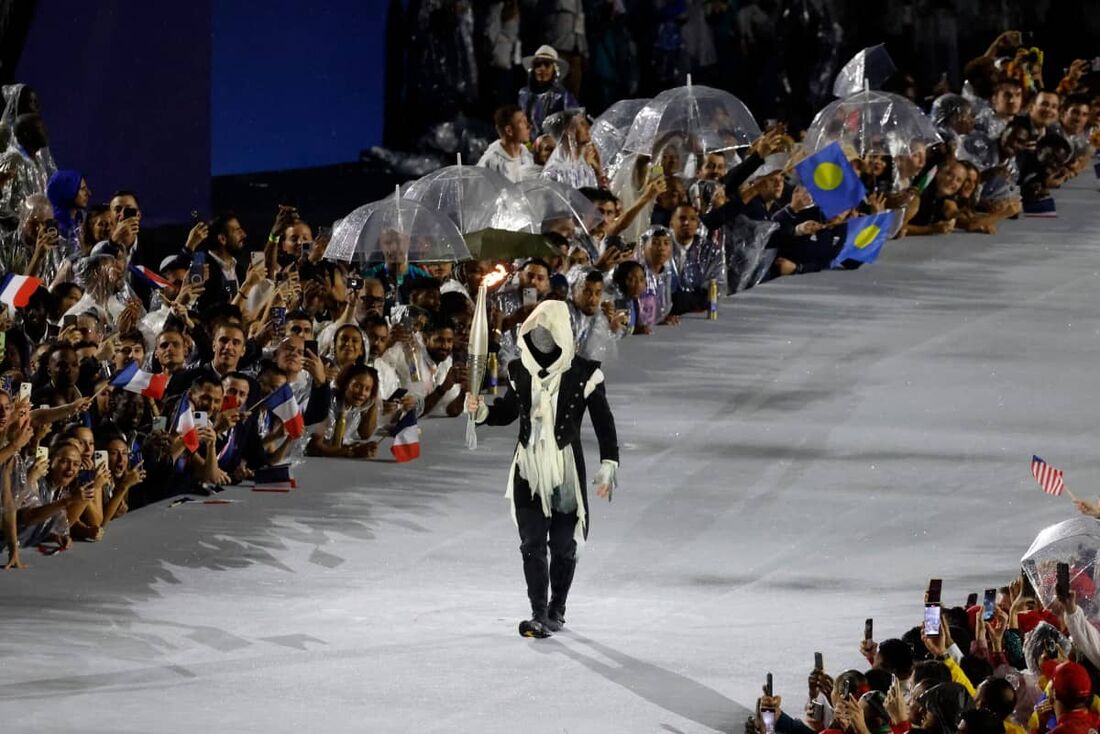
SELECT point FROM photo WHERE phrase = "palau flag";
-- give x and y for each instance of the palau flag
(831, 180)
(866, 236)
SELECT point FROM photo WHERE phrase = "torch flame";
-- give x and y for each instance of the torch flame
(496, 277)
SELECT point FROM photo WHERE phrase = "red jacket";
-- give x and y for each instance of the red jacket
(1078, 721)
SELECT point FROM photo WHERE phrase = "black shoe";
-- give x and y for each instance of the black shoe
(534, 628)
(554, 620)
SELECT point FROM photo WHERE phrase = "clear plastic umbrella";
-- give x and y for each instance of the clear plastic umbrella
(871, 123)
(474, 198)
(710, 119)
(395, 230)
(1074, 542)
(552, 201)
(870, 68)
(609, 130)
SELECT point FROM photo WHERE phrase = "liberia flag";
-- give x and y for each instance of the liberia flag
(148, 276)
(185, 424)
(406, 438)
(285, 407)
(16, 290)
(1049, 478)
(137, 380)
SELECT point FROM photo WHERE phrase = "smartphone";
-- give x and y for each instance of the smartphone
(50, 225)
(100, 460)
(932, 607)
(530, 297)
(657, 170)
(398, 394)
(42, 452)
(229, 402)
(971, 600)
(129, 211)
(201, 419)
(768, 717)
(989, 604)
(932, 620)
(869, 629)
(135, 452)
(257, 258)
(1061, 586)
(278, 318)
(24, 391)
(160, 423)
(68, 320)
(355, 283)
(768, 686)
(846, 687)
(311, 346)
(194, 273)
(819, 662)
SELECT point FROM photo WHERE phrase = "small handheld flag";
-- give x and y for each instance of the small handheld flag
(1049, 478)
(283, 404)
(831, 180)
(866, 236)
(16, 290)
(148, 276)
(133, 379)
(185, 424)
(406, 438)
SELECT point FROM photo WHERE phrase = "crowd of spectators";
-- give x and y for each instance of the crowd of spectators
(224, 323)
(228, 321)
(1001, 665)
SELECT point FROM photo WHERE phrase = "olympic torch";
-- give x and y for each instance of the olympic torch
(478, 351)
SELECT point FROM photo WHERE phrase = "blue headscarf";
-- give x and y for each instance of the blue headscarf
(61, 191)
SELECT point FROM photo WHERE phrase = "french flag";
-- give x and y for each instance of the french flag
(275, 478)
(406, 438)
(185, 424)
(285, 407)
(150, 277)
(16, 290)
(133, 379)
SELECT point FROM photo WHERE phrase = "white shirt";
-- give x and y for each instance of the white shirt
(497, 159)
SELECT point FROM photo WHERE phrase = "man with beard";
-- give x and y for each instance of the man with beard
(549, 391)
(228, 241)
(447, 378)
(596, 325)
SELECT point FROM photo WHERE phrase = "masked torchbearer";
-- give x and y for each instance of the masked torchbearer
(549, 390)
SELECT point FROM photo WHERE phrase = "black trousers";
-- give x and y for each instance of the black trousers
(537, 533)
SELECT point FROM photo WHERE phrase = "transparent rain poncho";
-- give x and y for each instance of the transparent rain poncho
(1074, 542)
(947, 111)
(568, 164)
(747, 252)
(609, 130)
(870, 68)
(395, 230)
(655, 304)
(474, 198)
(31, 173)
(551, 201)
(871, 123)
(710, 119)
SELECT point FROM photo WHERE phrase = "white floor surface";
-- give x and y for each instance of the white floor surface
(806, 461)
